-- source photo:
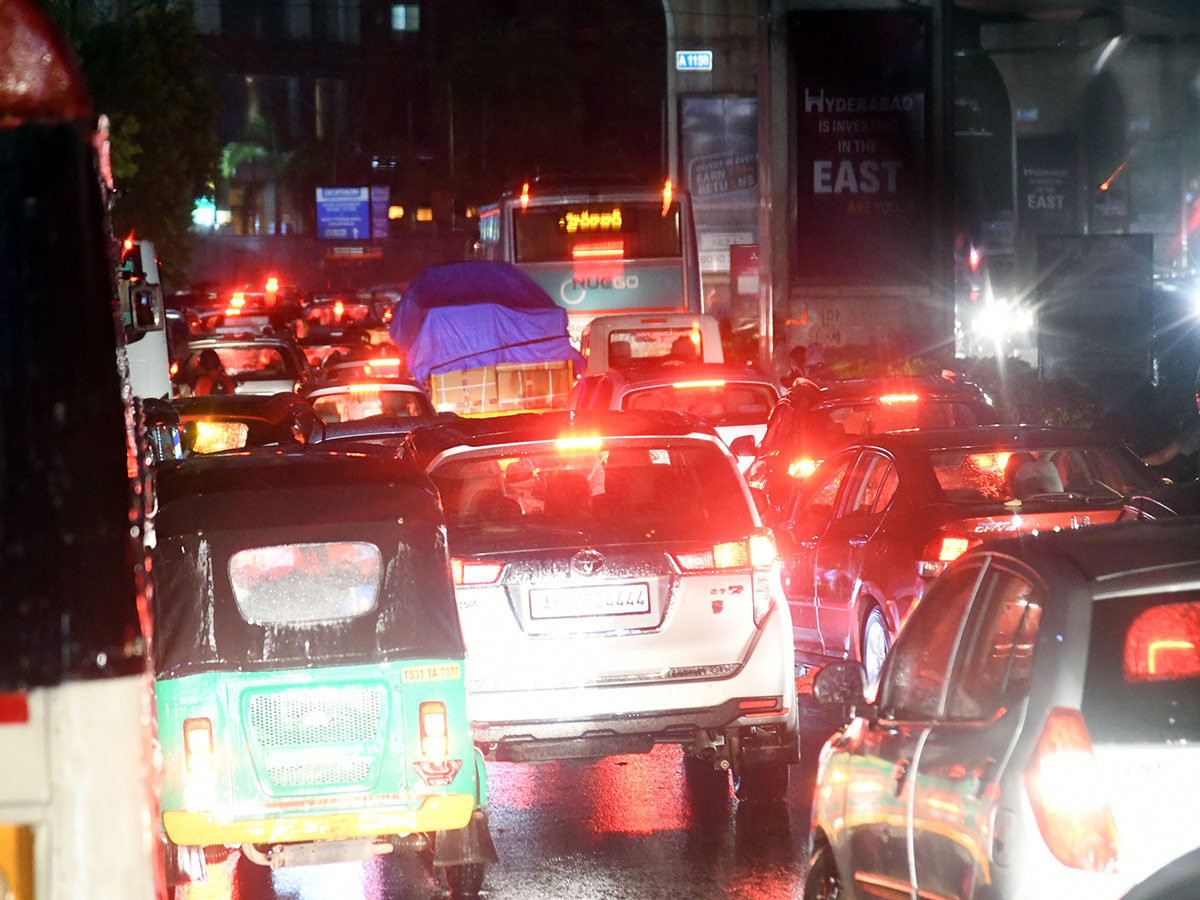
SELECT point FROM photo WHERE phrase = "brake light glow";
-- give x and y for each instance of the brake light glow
(365, 388)
(467, 572)
(238, 298)
(272, 284)
(339, 309)
(899, 398)
(940, 552)
(995, 462)
(1163, 644)
(524, 196)
(128, 244)
(14, 708)
(1065, 789)
(434, 742)
(802, 468)
(668, 191)
(756, 554)
(586, 442)
(198, 745)
(213, 437)
(711, 383)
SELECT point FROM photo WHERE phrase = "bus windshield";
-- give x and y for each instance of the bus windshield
(597, 230)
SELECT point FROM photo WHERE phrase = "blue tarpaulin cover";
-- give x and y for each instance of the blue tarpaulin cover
(465, 315)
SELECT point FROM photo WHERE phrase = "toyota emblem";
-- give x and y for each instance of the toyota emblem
(587, 562)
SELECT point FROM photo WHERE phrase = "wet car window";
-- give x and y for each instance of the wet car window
(364, 401)
(865, 492)
(255, 363)
(898, 413)
(999, 641)
(972, 476)
(818, 508)
(654, 491)
(916, 672)
(1143, 681)
(718, 404)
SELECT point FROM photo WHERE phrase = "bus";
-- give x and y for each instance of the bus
(598, 250)
(78, 759)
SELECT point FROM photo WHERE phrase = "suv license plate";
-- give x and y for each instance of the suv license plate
(573, 602)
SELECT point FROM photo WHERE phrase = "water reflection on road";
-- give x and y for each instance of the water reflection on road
(643, 827)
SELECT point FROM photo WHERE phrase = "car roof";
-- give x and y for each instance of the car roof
(1120, 558)
(530, 427)
(657, 373)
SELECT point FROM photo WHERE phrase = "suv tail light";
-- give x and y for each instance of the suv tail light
(1067, 795)
(940, 552)
(198, 745)
(475, 571)
(756, 553)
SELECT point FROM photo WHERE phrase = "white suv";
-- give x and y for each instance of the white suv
(616, 590)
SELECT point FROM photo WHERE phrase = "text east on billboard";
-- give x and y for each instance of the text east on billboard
(862, 176)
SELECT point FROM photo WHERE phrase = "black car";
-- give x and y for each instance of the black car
(219, 422)
(1163, 501)
(811, 421)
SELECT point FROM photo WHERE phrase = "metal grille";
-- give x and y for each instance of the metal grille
(307, 717)
(323, 773)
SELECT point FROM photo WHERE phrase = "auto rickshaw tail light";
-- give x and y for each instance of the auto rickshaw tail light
(198, 745)
(433, 729)
(1066, 791)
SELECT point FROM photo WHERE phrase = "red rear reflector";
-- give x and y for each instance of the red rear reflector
(1067, 796)
(765, 703)
(14, 708)
(475, 571)
(1163, 644)
(437, 773)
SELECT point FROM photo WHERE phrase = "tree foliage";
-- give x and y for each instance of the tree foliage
(147, 70)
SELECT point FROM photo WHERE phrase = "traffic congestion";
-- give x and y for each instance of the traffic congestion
(529, 576)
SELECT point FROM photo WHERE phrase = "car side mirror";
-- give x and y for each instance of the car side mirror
(842, 684)
(742, 445)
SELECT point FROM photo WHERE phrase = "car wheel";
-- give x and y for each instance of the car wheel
(876, 639)
(465, 880)
(823, 881)
(761, 781)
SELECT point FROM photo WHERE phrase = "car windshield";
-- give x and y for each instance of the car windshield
(894, 412)
(977, 475)
(361, 401)
(259, 363)
(653, 490)
(713, 400)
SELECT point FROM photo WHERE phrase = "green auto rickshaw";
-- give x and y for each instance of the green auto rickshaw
(309, 667)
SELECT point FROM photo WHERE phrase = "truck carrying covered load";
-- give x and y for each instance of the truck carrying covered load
(486, 339)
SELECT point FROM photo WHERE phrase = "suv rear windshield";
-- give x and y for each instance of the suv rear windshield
(618, 490)
(899, 412)
(1143, 674)
(716, 402)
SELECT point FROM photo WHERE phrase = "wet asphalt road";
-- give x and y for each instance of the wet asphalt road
(643, 827)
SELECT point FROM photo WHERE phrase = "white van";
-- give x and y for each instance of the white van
(618, 341)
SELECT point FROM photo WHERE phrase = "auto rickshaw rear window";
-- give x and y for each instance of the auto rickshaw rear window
(296, 584)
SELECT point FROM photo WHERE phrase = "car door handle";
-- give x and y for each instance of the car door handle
(858, 540)
(898, 776)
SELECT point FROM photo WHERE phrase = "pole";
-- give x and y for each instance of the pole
(766, 332)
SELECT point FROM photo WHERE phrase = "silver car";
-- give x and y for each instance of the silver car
(1036, 731)
(616, 590)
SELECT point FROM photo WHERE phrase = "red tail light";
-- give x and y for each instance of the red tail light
(475, 571)
(803, 467)
(1067, 795)
(756, 553)
(198, 745)
(14, 708)
(940, 552)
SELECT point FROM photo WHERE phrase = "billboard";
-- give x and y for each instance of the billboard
(862, 177)
(343, 213)
(719, 149)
